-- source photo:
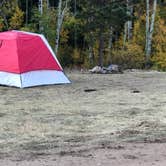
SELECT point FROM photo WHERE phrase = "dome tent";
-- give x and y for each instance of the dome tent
(26, 59)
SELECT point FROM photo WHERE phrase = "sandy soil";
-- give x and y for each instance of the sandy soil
(98, 120)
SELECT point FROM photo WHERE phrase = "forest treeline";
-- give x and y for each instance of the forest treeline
(83, 33)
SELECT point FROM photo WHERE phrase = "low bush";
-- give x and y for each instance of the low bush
(128, 58)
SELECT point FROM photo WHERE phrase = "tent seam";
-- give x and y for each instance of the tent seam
(50, 49)
(21, 81)
(18, 59)
(18, 53)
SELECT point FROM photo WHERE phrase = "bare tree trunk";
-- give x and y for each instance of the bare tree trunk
(75, 30)
(128, 25)
(91, 55)
(91, 50)
(61, 14)
(149, 28)
(129, 30)
(26, 17)
(125, 35)
(41, 6)
(48, 4)
(101, 47)
(110, 44)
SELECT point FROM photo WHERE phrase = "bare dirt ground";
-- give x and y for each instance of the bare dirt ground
(98, 120)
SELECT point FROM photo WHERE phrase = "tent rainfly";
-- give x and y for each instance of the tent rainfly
(26, 59)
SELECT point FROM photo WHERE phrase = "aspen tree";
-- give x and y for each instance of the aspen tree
(149, 28)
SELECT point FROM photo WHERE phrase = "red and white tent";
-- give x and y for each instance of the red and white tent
(26, 59)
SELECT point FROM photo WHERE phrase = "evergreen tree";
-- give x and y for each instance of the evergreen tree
(99, 16)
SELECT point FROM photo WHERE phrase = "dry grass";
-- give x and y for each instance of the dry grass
(66, 118)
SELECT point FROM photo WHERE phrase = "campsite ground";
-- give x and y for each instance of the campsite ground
(98, 120)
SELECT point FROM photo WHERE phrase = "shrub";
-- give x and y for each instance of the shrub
(130, 57)
(159, 61)
(65, 56)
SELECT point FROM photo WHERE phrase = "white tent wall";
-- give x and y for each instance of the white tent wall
(43, 77)
(10, 79)
(33, 78)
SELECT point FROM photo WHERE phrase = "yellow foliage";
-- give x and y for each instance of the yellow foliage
(139, 32)
(159, 44)
(159, 39)
(159, 61)
(17, 19)
(76, 56)
(64, 36)
(27, 29)
(131, 57)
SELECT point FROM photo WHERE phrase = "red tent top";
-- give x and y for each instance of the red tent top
(22, 52)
